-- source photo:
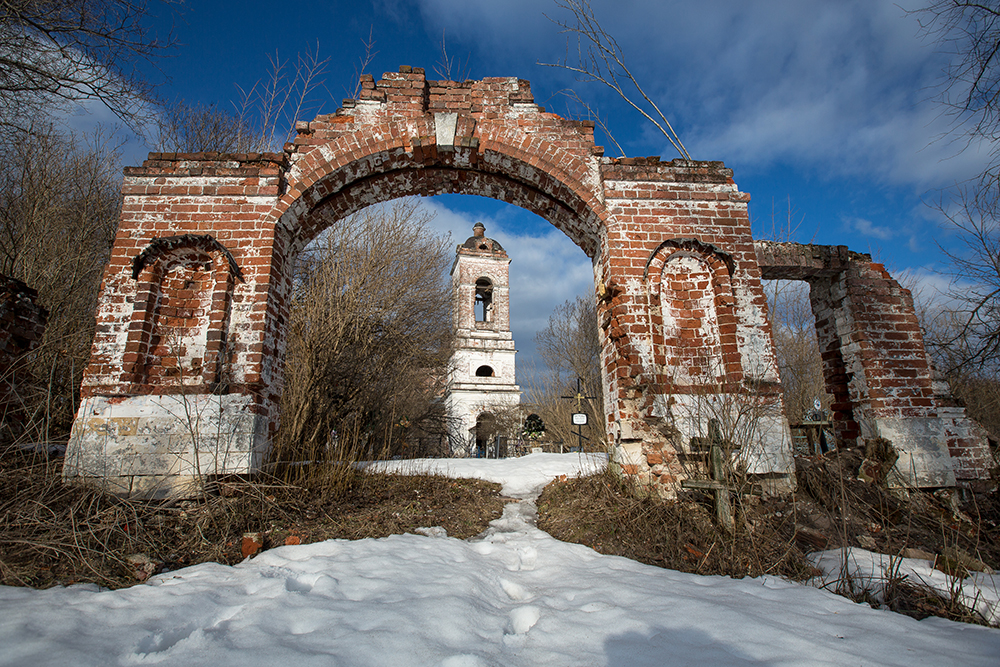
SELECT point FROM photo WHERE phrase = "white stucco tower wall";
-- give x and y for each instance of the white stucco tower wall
(481, 372)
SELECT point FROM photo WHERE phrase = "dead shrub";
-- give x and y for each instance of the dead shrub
(615, 517)
(57, 534)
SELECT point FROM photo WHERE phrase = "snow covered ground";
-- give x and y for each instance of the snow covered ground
(513, 596)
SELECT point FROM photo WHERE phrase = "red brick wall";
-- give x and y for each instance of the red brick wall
(683, 312)
(226, 197)
(875, 364)
(662, 212)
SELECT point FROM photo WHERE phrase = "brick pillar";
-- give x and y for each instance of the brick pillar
(178, 388)
(685, 322)
(872, 346)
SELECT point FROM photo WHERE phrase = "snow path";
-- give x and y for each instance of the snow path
(513, 596)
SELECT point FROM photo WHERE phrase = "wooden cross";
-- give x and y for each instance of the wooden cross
(717, 482)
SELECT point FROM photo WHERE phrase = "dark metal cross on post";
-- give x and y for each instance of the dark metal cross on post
(579, 407)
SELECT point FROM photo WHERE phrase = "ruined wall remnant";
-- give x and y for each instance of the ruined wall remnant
(876, 367)
(22, 321)
(186, 367)
(22, 324)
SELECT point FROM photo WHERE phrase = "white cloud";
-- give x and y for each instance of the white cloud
(840, 88)
(867, 228)
(546, 270)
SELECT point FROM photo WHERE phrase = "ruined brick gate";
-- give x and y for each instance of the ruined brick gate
(186, 369)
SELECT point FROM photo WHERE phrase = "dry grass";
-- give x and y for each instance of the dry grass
(850, 512)
(832, 508)
(56, 534)
(53, 534)
(613, 517)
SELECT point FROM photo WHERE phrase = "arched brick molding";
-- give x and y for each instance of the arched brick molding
(177, 336)
(645, 224)
(692, 316)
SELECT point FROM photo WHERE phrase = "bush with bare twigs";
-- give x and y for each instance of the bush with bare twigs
(59, 204)
(369, 337)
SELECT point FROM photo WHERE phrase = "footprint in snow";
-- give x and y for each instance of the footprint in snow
(514, 590)
(523, 619)
(165, 640)
(463, 660)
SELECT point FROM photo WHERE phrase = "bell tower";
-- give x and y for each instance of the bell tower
(481, 372)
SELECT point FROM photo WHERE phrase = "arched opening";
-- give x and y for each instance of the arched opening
(336, 193)
(525, 233)
(484, 301)
(487, 443)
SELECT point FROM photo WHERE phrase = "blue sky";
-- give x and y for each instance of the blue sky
(824, 107)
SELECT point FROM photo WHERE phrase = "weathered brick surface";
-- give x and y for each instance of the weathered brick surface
(683, 315)
(876, 367)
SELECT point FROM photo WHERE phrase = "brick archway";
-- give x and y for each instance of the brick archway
(406, 135)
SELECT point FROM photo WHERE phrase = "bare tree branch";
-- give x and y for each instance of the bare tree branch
(972, 341)
(446, 67)
(364, 61)
(58, 52)
(601, 59)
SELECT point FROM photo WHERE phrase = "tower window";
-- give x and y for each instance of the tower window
(484, 300)
(484, 372)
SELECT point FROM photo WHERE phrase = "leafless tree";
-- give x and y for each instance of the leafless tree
(58, 52)
(571, 349)
(794, 330)
(369, 336)
(59, 208)
(975, 297)
(600, 58)
(969, 31)
(194, 128)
